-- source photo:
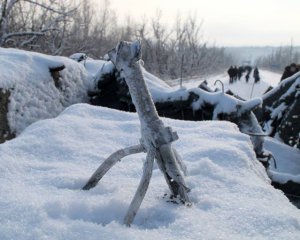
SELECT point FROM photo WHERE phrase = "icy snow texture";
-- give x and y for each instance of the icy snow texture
(40, 182)
(33, 92)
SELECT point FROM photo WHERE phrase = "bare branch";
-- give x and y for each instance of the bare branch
(51, 9)
(20, 34)
(109, 163)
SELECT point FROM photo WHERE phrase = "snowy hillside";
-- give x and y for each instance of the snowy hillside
(41, 197)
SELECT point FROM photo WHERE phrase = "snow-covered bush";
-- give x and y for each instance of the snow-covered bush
(37, 86)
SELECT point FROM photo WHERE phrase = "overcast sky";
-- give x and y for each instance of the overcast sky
(228, 22)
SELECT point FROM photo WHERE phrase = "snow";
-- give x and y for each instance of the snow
(34, 95)
(79, 57)
(43, 169)
(284, 82)
(287, 159)
(160, 92)
(223, 103)
(96, 68)
(154, 83)
(240, 88)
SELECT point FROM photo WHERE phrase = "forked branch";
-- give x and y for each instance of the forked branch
(109, 162)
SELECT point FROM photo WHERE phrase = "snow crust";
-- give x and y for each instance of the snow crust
(43, 169)
(34, 95)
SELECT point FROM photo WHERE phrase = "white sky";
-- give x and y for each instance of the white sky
(227, 22)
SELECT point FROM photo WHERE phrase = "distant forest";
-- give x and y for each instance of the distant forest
(64, 27)
(279, 58)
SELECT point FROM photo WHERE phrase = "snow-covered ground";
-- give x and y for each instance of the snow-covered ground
(240, 88)
(43, 169)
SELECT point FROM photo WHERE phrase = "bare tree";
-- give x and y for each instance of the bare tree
(64, 27)
(279, 58)
(23, 23)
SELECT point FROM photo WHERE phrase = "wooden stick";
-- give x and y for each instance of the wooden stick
(142, 189)
(156, 139)
(109, 162)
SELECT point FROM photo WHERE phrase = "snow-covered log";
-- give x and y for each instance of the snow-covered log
(36, 86)
(280, 111)
(187, 104)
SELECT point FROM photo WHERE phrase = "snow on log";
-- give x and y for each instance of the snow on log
(280, 111)
(186, 104)
(37, 86)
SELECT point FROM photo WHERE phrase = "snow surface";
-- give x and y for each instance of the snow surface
(96, 68)
(287, 159)
(160, 91)
(43, 169)
(284, 82)
(240, 88)
(34, 95)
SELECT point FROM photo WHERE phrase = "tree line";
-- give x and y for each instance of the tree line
(64, 27)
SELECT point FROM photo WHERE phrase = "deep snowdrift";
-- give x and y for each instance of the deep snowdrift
(43, 169)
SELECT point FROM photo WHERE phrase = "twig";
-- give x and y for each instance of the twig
(221, 84)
